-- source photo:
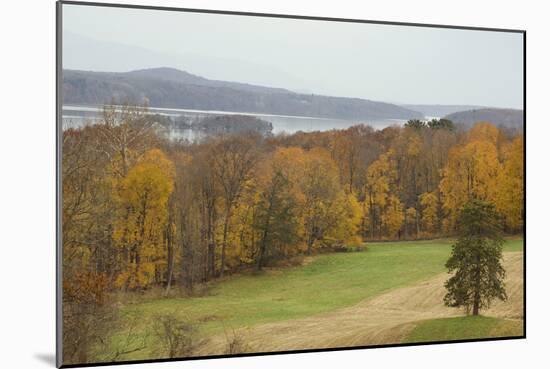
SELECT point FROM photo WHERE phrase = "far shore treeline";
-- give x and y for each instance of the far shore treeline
(141, 211)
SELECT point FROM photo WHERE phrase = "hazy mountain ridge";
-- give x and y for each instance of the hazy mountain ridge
(509, 118)
(440, 110)
(172, 88)
(176, 75)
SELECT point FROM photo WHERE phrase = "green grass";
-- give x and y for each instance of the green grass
(470, 327)
(329, 282)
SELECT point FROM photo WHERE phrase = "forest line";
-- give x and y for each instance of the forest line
(141, 210)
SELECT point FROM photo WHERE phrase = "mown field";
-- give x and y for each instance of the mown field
(468, 327)
(325, 284)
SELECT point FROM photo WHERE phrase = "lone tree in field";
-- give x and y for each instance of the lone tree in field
(476, 259)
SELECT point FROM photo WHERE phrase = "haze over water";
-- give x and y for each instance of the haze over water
(76, 116)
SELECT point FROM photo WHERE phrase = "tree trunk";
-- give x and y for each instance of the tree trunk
(263, 246)
(475, 310)
(417, 220)
(211, 259)
(211, 241)
(224, 244)
(170, 259)
(477, 292)
(310, 241)
(371, 213)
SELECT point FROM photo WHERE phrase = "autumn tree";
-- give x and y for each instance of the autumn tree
(207, 193)
(407, 151)
(233, 159)
(430, 217)
(385, 210)
(344, 219)
(87, 314)
(319, 186)
(87, 205)
(434, 156)
(276, 214)
(142, 196)
(377, 190)
(353, 149)
(188, 224)
(472, 171)
(476, 259)
(511, 192)
(393, 217)
(410, 222)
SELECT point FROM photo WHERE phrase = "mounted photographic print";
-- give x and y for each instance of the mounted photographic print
(237, 184)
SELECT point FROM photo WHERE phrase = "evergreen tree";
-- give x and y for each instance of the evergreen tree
(476, 259)
(415, 124)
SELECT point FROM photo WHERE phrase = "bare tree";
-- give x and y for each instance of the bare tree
(177, 337)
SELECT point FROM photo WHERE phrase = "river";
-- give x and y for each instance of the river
(77, 116)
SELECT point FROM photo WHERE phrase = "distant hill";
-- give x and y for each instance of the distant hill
(439, 110)
(172, 88)
(509, 118)
(179, 76)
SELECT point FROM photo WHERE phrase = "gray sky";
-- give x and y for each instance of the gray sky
(379, 62)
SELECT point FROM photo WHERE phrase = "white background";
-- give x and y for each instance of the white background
(27, 182)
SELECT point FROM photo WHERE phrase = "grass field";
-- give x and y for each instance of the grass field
(329, 282)
(470, 327)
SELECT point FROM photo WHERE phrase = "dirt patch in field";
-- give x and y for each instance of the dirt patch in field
(384, 319)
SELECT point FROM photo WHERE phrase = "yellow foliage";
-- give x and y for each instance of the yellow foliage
(384, 208)
(379, 175)
(347, 211)
(414, 145)
(428, 201)
(410, 214)
(393, 216)
(484, 131)
(472, 171)
(142, 198)
(510, 185)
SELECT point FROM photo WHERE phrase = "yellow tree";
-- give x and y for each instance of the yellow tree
(328, 212)
(392, 216)
(320, 185)
(471, 172)
(351, 149)
(429, 204)
(142, 196)
(414, 148)
(410, 222)
(344, 218)
(510, 185)
(384, 208)
(242, 236)
(484, 131)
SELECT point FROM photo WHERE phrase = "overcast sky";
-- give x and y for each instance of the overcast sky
(379, 62)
